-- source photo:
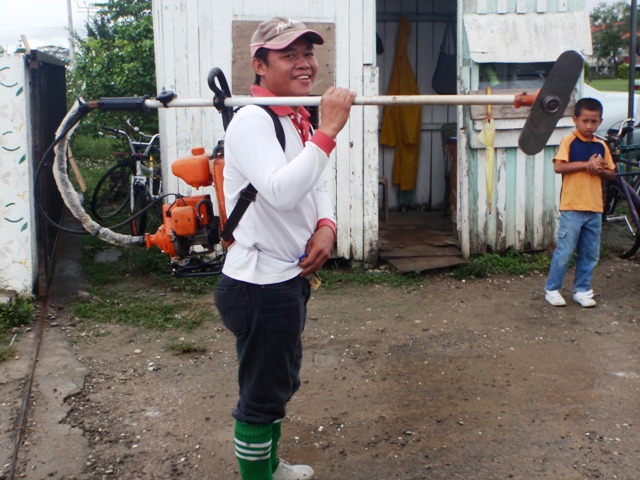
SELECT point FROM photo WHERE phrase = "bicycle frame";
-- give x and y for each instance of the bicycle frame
(629, 194)
(143, 187)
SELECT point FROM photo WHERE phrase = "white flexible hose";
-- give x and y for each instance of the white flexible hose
(69, 194)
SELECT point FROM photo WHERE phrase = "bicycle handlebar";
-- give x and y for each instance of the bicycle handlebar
(626, 126)
(133, 145)
(137, 130)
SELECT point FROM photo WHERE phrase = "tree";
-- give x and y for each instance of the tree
(610, 29)
(117, 60)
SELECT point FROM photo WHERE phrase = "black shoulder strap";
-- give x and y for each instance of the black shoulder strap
(248, 195)
(277, 125)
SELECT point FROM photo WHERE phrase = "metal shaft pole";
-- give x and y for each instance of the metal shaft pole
(362, 100)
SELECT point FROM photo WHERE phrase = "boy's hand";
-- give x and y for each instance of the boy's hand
(595, 164)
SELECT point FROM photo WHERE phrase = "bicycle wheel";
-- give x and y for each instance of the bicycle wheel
(612, 196)
(139, 224)
(620, 228)
(112, 192)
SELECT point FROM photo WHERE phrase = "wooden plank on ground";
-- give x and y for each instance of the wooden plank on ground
(421, 264)
(420, 251)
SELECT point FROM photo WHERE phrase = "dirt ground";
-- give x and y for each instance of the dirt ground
(475, 379)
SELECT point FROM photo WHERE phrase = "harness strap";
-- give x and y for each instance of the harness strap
(249, 194)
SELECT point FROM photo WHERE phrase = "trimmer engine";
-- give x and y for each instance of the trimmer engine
(190, 229)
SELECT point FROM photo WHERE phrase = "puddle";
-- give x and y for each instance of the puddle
(325, 359)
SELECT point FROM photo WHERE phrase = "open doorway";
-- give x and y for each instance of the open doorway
(417, 228)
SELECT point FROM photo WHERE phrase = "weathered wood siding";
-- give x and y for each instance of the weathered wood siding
(526, 189)
(192, 36)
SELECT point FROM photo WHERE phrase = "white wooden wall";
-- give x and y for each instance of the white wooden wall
(18, 260)
(526, 189)
(192, 36)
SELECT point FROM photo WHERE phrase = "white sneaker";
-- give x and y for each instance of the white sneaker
(585, 298)
(554, 298)
(292, 472)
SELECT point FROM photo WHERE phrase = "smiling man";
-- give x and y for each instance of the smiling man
(285, 236)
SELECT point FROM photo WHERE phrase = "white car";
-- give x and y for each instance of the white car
(615, 107)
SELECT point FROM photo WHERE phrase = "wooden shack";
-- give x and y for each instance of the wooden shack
(508, 45)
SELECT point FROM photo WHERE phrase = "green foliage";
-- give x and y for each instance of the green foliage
(515, 263)
(610, 23)
(94, 149)
(587, 72)
(16, 312)
(623, 70)
(116, 60)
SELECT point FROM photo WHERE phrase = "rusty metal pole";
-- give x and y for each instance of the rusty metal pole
(632, 63)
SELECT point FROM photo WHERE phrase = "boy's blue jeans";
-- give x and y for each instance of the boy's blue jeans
(578, 231)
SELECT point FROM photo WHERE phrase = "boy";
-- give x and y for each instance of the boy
(583, 160)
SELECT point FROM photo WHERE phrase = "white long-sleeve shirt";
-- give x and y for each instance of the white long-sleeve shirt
(292, 195)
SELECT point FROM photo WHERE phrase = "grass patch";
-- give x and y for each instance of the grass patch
(334, 276)
(16, 312)
(515, 263)
(135, 288)
(610, 84)
(137, 262)
(186, 346)
(140, 309)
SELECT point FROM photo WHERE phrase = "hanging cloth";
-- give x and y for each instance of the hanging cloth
(401, 124)
(444, 76)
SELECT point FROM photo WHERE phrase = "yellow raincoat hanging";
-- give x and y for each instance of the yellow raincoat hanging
(401, 125)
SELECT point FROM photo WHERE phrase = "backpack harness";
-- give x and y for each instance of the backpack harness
(249, 193)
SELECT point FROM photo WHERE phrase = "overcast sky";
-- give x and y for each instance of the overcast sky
(45, 22)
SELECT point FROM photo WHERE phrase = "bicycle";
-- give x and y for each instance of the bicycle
(133, 181)
(621, 218)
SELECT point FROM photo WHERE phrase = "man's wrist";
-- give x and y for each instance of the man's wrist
(325, 222)
(323, 141)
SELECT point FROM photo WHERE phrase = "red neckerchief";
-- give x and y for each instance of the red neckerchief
(300, 120)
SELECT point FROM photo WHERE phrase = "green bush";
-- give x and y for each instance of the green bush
(16, 312)
(587, 72)
(86, 147)
(623, 70)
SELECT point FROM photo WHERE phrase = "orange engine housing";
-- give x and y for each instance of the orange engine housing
(187, 218)
(190, 221)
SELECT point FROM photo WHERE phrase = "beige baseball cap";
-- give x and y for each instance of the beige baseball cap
(279, 33)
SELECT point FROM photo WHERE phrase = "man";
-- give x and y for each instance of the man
(284, 236)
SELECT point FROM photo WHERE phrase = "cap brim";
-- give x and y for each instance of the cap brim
(286, 39)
